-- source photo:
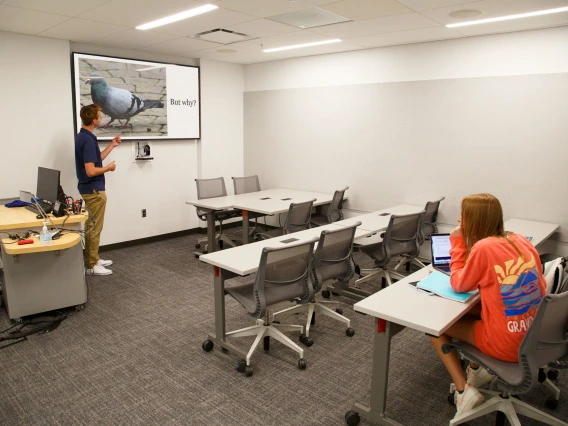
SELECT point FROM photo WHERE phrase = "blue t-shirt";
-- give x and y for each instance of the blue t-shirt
(87, 151)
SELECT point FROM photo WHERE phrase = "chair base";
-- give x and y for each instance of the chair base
(510, 407)
(311, 309)
(262, 329)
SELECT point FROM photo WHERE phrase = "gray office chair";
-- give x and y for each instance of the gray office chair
(333, 260)
(211, 188)
(429, 225)
(245, 185)
(334, 211)
(545, 341)
(400, 239)
(283, 275)
(298, 219)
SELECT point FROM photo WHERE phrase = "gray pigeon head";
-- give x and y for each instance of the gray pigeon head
(95, 79)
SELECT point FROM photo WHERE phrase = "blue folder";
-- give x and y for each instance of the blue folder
(439, 283)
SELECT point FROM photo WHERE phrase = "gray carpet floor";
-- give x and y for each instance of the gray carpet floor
(133, 357)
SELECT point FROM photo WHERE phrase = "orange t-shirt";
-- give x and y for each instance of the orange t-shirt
(510, 288)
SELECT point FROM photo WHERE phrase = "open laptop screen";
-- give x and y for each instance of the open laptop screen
(441, 249)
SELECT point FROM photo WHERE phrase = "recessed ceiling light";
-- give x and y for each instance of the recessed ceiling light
(463, 14)
(227, 51)
(506, 18)
(298, 46)
(178, 17)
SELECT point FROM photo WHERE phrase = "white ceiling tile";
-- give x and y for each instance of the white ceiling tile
(59, 7)
(299, 37)
(82, 30)
(135, 39)
(135, 12)
(358, 10)
(431, 4)
(218, 18)
(26, 21)
(264, 8)
(235, 55)
(554, 20)
(408, 21)
(180, 45)
(493, 9)
(262, 28)
(406, 37)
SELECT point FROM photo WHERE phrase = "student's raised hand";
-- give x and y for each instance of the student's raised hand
(112, 166)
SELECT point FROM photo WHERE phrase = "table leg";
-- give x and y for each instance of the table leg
(218, 337)
(379, 379)
(245, 227)
(211, 243)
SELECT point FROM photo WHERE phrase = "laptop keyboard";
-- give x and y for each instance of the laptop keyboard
(443, 268)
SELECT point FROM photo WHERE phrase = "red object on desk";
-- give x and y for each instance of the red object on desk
(28, 241)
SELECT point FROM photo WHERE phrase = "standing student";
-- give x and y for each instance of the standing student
(91, 175)
(506, 269)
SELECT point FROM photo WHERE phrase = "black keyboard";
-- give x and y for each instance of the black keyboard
(47, 207)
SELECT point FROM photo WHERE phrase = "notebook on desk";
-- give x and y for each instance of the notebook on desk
(441, 246)
(439, 284)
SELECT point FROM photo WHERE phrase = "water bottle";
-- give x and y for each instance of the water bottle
(45, 235)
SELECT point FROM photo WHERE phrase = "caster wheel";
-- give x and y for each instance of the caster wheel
(276, 322)
(352, 418)
(266, 343)
(339, 311)
(197, 246)
(350, 332)
(326, 294)
(357, 269)
(308, 341)
(197, 256)
(334, 293)
(552, 374)
(207, 346)
(302, 364)
(552, 404)
(221, 245)
(241, 366)
(313, 320)
(248, 371)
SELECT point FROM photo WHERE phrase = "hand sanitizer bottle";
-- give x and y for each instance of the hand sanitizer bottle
(45, 235)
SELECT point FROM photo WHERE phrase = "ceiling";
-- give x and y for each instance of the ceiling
(373, 23)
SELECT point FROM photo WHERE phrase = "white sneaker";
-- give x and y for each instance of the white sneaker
(477, 378)
(98, 270)
(468, 400)
(104, 263)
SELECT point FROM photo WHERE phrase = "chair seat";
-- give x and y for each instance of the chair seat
(319, 220)
(244, 294)
(509, 372)
(224, 214)
(376, 252)
(271, 234)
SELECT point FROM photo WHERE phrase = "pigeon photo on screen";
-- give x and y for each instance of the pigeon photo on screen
(131, 97)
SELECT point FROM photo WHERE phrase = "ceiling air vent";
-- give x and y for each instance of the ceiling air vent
(222, 36)
(309, 18)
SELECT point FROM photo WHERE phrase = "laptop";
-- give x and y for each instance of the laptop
(441, 252)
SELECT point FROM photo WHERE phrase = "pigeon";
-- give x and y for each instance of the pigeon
(118, 103)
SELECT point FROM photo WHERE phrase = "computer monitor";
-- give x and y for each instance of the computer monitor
(47, 184)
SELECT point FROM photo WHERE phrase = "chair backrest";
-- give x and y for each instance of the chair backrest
(546, 339)
(335, 210)
(401, 236)
(429, 226)
(333, 258)
(244, 185)
(283, 275)
(298, 218)
(209, 188)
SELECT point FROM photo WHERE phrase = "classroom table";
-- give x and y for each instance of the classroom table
(268, 202)
(538, 231)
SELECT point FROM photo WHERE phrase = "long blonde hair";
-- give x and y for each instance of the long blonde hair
(482, 217)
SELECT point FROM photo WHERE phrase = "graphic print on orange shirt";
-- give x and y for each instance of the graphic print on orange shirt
(520, 292)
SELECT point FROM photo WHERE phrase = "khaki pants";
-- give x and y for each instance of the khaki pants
(96, 203)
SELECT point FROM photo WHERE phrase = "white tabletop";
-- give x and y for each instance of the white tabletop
(244, 260)
(402, 304)
(539, 231)
(378, 221)
(269, 201)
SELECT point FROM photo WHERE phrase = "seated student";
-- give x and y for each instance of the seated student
(506, 269)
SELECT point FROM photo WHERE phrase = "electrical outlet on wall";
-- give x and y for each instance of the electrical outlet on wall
(143, 212)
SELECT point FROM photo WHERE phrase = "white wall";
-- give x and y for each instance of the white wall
(36, 77)
(363, 116)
